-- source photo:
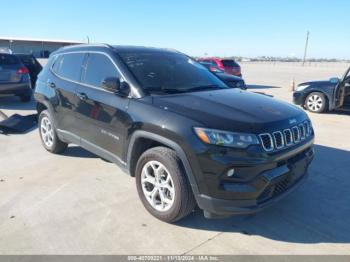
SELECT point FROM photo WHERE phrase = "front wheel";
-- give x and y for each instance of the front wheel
(316, 102)
(162, 185)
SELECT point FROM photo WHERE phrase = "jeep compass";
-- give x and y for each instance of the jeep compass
(186, 137)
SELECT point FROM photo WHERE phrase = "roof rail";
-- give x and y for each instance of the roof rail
(82, 45)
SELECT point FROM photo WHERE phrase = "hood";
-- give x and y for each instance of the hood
(319, 83)
(233, 110)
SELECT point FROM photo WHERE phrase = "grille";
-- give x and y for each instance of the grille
(278, 139)
(275, 189)
(288, 137)
(302, 131)
(296, 134)
(267, 142)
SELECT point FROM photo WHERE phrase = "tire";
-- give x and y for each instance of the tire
(179, 200)
(25, 98)
(48, 135)
(316, 102)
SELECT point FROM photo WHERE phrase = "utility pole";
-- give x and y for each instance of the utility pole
(306, 46)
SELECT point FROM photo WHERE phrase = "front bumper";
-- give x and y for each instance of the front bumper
(299, 98)
(270, 183)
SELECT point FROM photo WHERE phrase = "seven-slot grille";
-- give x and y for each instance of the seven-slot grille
(281, 139)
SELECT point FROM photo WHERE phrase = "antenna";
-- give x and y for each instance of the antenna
(306, 46)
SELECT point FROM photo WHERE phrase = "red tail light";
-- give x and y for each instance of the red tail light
(22, 71)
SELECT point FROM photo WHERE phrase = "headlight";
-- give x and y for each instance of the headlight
(224, 138)
(300, 88)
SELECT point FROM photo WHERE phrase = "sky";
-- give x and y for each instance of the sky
(246, 28)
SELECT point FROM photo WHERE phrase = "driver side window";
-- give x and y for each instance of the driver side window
(98, 68)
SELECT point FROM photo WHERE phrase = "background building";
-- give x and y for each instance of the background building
(40, 48)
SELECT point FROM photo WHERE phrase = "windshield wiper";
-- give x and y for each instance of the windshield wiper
(161, 89)
(201, 88)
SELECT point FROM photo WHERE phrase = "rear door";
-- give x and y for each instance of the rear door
(66, 74)
(102, 114)
(9, 64)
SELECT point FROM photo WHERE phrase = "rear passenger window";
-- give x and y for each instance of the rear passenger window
(98, 68)
(69, 66)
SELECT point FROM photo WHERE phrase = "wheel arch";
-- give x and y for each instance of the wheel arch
(143, 140)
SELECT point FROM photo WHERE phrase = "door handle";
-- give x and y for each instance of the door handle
(51, 84)
(82, 96)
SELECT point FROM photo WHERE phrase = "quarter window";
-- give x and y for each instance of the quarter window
(98, 68)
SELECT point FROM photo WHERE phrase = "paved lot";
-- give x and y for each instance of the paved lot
(79, 204)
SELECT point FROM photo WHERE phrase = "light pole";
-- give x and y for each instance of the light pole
(306, 46)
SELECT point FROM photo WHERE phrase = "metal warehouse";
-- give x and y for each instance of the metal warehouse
(40, 48)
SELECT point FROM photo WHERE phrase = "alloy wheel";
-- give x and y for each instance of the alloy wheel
(157, 186)
(47, 132)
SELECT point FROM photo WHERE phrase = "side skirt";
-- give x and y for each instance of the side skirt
(74, 139)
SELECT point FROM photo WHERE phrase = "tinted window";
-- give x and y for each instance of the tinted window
(8, 60)
(229, 63)
(170, 72)
(70, 66)
(57, 64)
(98, 68)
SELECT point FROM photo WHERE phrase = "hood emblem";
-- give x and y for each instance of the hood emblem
(292, 121)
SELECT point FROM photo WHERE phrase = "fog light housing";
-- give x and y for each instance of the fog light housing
(231, 172)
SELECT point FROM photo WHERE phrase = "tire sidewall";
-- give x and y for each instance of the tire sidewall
(324, 102)
(173, 167)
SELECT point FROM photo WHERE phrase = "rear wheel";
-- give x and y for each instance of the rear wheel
(162, 185)
(316, 102)
(48, 134)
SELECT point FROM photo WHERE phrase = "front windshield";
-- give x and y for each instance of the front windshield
(166, 72)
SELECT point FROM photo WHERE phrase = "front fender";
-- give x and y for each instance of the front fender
(175, 146)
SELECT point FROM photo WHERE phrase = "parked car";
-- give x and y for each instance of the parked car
(33, 66)
(230, 80)
(320, 96)
(14, 77)
(229, 66)
(183, 134)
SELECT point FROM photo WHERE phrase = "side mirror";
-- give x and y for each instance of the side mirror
(334, 80)
(111, 84)
(114, 85)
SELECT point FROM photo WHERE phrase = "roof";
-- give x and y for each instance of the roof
(39, 40)
(116, 48)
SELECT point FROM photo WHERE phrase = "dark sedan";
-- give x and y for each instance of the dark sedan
(230, 80)
(14, 77)
(320, 96)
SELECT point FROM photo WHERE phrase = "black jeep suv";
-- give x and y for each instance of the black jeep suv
(166, 120)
